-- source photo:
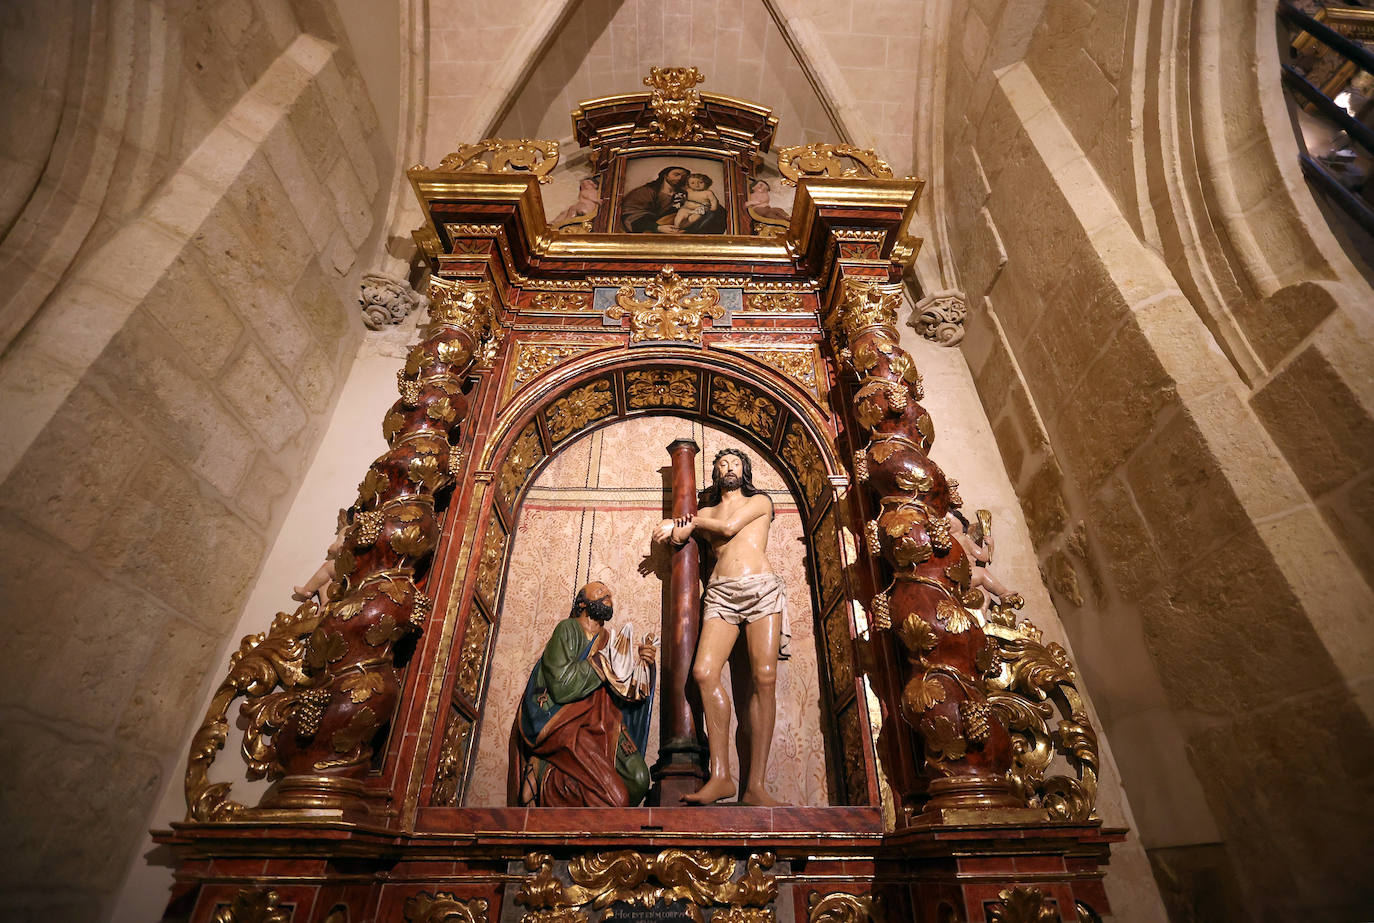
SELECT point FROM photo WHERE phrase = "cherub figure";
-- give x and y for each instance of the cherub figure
(699, 200)
(320, 581)
(976, 539)
(588, 201)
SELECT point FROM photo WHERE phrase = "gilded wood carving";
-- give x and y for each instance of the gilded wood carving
(668, 311)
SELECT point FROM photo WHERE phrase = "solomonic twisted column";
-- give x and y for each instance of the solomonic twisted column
(967, 747)
(336, 666)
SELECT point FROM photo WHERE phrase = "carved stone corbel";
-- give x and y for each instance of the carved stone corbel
(939, 317)
(386, 299)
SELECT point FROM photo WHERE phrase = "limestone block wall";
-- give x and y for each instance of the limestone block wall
(187, 192)
(1173, 349)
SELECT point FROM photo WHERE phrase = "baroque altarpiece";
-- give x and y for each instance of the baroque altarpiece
(960, 763)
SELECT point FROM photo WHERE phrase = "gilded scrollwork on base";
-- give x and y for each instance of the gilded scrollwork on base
(704, 880)
(580, 407)
(669, 311)
(444, 907)
(661, 388)
(253, 905)
(262, 663)
(844, 907)
(1031, 682)
(1022, 905)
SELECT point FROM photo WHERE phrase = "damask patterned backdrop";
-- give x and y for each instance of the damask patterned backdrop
(589, 517)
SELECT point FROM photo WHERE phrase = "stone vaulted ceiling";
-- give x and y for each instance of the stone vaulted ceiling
(831, 71)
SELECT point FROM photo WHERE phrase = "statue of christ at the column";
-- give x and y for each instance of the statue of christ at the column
(743, 592)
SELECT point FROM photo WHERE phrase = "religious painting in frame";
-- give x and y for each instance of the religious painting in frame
(673, 194)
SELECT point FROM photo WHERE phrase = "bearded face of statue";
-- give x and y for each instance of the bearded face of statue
(601, 610)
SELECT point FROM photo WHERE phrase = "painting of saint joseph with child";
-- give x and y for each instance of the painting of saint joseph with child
(683, 196)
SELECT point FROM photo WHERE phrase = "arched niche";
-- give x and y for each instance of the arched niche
(588, 515)
(769, 414)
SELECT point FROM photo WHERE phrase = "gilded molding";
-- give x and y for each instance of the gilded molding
(561, 302)
(669, 311)
(775, 303)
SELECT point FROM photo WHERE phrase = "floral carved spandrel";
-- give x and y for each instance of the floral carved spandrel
(855, 777)
(524, 455)
(744, 406)
(805, 461)
(661, 388)
(533, 358)
(827, 554)
(489, 565)
(668, 311)
(453, 752)
(472, 660)
(582, 406)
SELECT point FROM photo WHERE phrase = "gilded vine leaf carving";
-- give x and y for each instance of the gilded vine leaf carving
(582, 406)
